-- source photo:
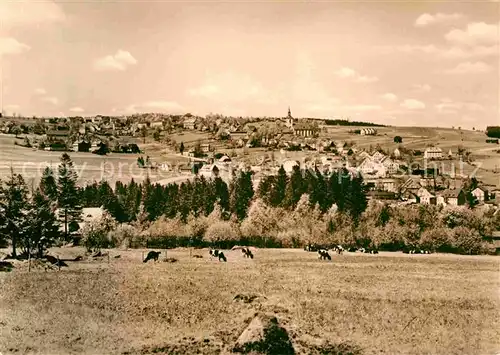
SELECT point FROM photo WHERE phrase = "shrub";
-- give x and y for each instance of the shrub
(221, 233)
(95, 233)
(125, 236)
(467, 241)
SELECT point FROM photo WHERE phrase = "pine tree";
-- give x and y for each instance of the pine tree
(48, 184)
(265, 188)
(278, 188)
(221, 193)
(70, 209)
(41, 227)
(356, 198)
(295, 188)
(241, 194)
(181, 148)
(13, 207)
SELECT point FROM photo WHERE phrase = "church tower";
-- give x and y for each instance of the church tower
(289, 118)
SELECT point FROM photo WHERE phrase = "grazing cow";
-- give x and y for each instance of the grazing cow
(222, 257)
(247, 253)
(323, 255)
(152, 255)
(311, 247)
(214, 253)
(55, 261)
(339, 249)
(352, 249)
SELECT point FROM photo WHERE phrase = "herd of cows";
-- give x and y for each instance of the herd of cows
(321, 250)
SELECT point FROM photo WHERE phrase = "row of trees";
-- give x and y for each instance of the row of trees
(28, 219)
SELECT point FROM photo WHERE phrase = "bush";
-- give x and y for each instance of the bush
(95, 234)
(222, 234)
(125, 236)
(467, 241)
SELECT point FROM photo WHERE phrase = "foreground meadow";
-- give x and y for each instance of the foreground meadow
(387, 303)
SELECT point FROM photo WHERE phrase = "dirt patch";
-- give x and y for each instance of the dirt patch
(325, 348)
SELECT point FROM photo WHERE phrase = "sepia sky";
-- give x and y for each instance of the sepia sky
(398, 63)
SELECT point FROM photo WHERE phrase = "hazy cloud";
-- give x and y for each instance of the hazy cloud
(390, 97)
(448, 106)
(346, 72)
(76, 109)
(25, 12)
(9, 45)
(230, 86)
(40, 91)
(51, 100)
(117, 62)
(428, 19)
(422, 87)
(475, 33)
(156, 106)
(470, 68)
(412, 104)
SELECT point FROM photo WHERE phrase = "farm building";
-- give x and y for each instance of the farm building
(454, 197)
(368, 132)
(433, 153)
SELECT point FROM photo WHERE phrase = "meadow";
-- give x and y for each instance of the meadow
(364, 304)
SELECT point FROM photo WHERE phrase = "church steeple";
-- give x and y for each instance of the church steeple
(289, 112)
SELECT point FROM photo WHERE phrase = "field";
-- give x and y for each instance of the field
(387, 303)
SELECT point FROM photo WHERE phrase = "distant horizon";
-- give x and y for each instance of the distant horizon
(255, 117)
(397, 62)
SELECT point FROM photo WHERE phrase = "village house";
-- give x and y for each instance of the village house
(190, 123)
(372, 168)
(205, 147)
(425, 197)
(156, 124)
(480, 194)
(433, 153)
(453, 197)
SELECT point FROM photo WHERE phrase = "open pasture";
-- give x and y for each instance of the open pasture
(387, 303)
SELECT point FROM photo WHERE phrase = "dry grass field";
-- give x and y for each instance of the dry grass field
(361, 304)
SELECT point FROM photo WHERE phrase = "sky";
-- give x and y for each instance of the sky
(397, 63)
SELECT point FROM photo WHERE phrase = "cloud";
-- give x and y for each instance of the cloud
(51, 100)
(40, 91)
(390, 97)
(231, 86)
(476, 33)
(29, 13)
(76, 110)
(454, 52)
(361, 108)
(470, 68)
(346, 72)
(156, 106)
(9, 45)
(428, 19)
(12, 108)
(448, 106)
(422, 87)
(412, 104)
(120, 61)
(367, 79)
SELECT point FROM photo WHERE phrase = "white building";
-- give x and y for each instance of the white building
(368, 132)
(433, 153)
(425, 196)
(479, 194)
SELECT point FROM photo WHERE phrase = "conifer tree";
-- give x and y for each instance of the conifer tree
(13, 208)
(70, 209)
(295, 188)
(278, 188)
(356, 198)
(221, 193)
(41, 227)
(241, 194)
(48, 184)
(265, 188)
